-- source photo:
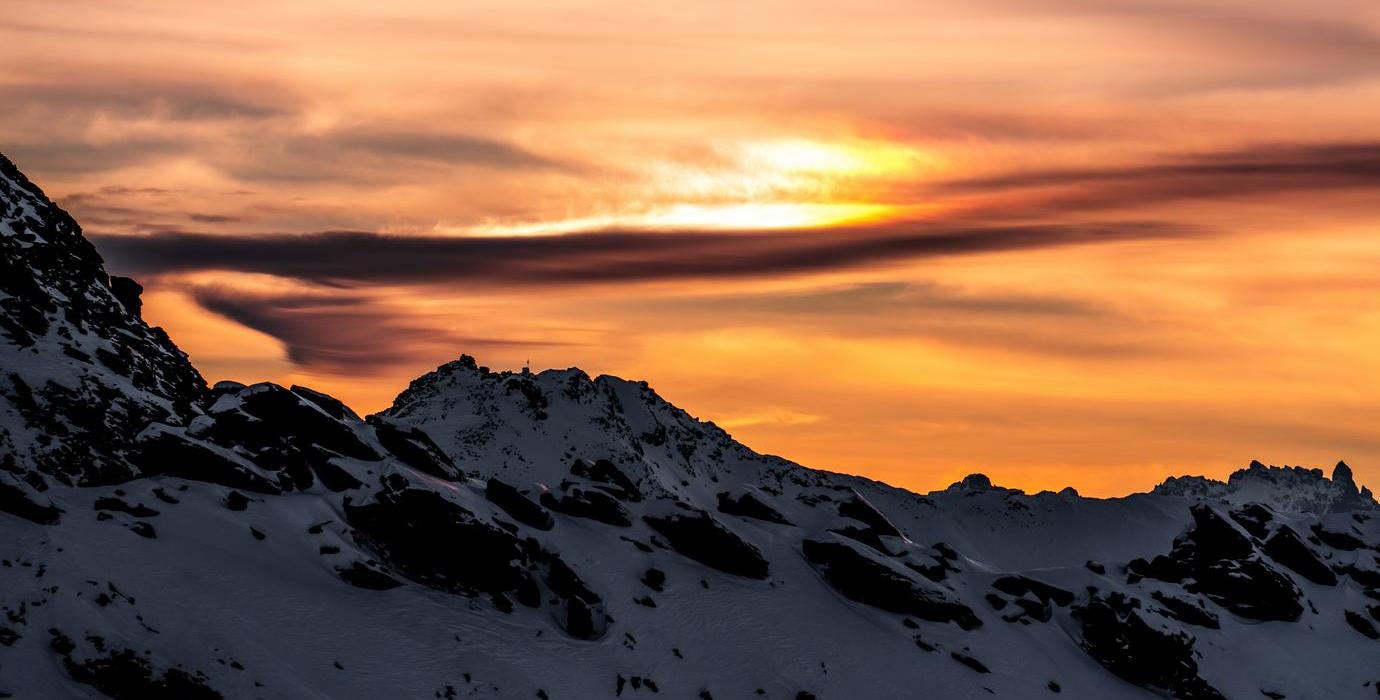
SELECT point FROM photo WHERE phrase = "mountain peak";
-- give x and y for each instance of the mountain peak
(1286, 489)
(80, 370)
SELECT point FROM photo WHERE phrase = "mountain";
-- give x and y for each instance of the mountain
(1297, 489)
(81, 371)
(553, 535)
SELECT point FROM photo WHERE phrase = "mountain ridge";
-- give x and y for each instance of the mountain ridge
(552, 535)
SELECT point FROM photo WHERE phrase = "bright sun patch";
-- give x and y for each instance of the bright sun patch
(778, 184)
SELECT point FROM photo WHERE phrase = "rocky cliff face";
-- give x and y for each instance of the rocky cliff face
(1289, 489)
(553, 535)
(80, 371)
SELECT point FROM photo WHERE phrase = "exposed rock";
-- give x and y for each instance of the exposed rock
(588, 503)
(604, 472)
(414, 447)
(1359, 623)
(16, 502)
(162, 451)
(520, 507)
(1117, 637)
(1217, 560)
(748, 505)
(1192, 613)
(1344, 541)
(117, 505)
(1022, 585)
(443, 546)
(868, 581)
(122, 674)
(367, 577)
(1291, 489)
(1287, 548)
(707, 541)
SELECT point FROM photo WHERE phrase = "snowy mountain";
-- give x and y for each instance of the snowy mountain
(553, 535)
(1295, 489)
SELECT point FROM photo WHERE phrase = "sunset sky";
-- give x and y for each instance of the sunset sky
(1061, 242)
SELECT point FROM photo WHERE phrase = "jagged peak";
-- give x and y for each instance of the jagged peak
(977, 483)
(1287, 488)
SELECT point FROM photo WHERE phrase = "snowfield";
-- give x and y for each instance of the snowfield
(553, 535)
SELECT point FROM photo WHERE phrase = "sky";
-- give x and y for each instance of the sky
(1060, 242)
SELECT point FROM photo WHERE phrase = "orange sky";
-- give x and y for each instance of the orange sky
(1058, 241)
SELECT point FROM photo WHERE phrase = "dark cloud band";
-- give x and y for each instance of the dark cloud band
(351, 257)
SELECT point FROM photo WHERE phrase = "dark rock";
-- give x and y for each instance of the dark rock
(707, 541)
(1216, 560)
(1344, 541)
(331, 405)
(236, 501)
(1185, 611)
(366, 577)
(122, 674)
(860, 578)
(517, 505)
(604, 472)
(16, 502)
(1253, 518)
(654, 579)
(588, 503)
(441, 545)
(969, 661)
(1287, 548)
(748, 505)
(128, 293)
(173, 454)
(1021, 585)
(1117, 637)
(1359, 623)
(288, 413)
(333, 476)
(858, 508)
(414, 447)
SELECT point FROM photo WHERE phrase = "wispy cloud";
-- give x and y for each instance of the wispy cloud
(613, 256)
(337, 332)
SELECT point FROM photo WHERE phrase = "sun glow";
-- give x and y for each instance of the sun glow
(757, 185)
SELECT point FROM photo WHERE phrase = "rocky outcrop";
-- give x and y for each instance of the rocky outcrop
(699, 536)
(1288, 489)
(1218, 560)
(863, 578)
(1120, 638)
(81, 374)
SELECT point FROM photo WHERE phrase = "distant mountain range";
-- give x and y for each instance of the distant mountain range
(552, 535)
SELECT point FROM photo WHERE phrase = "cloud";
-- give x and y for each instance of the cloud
(352, 257)
(340, 333)
(372, 154)
(77, 120)
(885, 298)
(138, 97)
(1257, 171)
(994, 320)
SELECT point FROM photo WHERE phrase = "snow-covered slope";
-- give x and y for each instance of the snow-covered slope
(550, 535)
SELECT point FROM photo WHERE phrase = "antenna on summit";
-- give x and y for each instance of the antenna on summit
(527, 368)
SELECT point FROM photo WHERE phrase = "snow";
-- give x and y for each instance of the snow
(249, 599)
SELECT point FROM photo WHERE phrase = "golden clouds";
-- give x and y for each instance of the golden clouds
(1058, 240)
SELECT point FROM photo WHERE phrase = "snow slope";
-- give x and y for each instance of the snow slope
(520, 535)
